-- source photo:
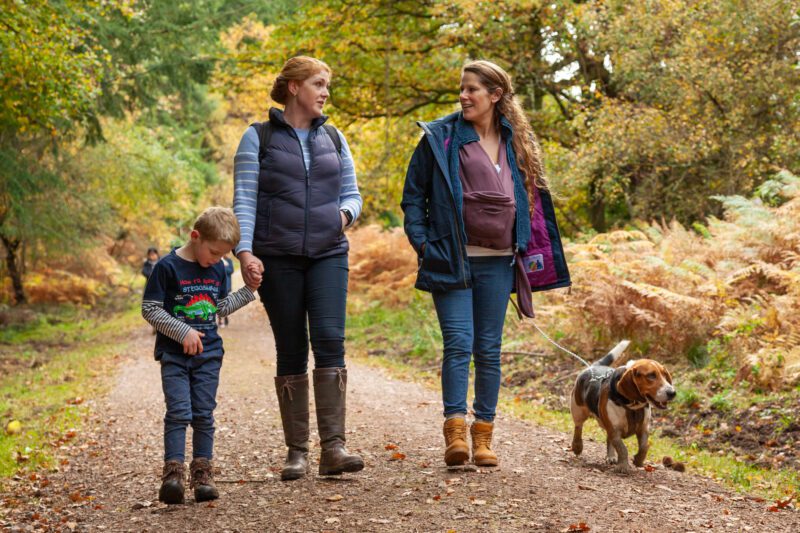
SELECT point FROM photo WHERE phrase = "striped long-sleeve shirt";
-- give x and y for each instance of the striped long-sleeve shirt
(245, 182)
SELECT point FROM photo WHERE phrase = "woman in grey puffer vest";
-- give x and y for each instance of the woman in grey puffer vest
(295, 193)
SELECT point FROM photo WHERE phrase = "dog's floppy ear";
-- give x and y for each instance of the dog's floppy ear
(627, 385)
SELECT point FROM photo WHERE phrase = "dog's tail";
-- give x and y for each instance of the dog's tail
(613, 355)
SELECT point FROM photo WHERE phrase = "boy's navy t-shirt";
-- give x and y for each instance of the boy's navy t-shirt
(190, 293)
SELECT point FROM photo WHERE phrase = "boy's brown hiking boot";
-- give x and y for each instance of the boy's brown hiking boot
(203, 480)
(455, 438)
(482, 454)
(171, 491)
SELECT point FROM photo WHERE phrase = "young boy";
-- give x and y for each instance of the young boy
(184, 295)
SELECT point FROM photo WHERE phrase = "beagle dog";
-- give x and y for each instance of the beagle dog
(620, 400)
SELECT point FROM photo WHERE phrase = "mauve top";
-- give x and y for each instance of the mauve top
(475, 166)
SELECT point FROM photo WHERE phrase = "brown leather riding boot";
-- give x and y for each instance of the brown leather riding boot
(455, 438)
(293, 401)
(330, 394)
(203, 480)
(171, 491)
(482, 454)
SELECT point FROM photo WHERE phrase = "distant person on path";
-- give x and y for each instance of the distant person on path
(227, 262)
(147, 268)
(295, 193)
(466, 201)
(184, 295)
(149, 262)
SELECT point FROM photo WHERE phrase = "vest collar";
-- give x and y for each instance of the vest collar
(276, 117)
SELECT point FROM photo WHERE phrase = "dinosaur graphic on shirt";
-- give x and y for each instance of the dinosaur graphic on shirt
(199, 306)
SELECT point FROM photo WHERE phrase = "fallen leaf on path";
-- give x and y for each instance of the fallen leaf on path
(649, 468)
(397, 456)
(335, 498)
(332, 520)
(473, 501)
(586, 487)
(577, 528)
(391, 446)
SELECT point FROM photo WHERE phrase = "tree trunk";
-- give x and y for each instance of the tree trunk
(12, 245)
(597, 207)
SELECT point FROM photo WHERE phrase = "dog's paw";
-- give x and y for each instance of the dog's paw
(611, 459)
(622, 468)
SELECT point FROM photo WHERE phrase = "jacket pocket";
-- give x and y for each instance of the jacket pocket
(438, 253)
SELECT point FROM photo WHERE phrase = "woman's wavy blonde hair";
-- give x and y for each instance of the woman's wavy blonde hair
(298, 68)
(526, 147)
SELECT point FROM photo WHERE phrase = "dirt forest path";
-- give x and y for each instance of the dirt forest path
(539, 486)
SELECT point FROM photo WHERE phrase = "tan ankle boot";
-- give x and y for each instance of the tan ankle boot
(455, 438)
(482, 454)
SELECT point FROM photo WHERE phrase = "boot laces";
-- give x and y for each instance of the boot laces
(454, 432)
(172, 469)
(340, 373)
(201, 474)
(287, 387)
(480, 438)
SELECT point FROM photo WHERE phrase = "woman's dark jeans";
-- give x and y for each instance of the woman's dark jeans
(297, 291)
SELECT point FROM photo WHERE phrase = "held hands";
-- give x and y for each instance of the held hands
(255, 276)
(252, 270)
(193, 342)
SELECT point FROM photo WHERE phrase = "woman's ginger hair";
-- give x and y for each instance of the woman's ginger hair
(298, 69)
(526, 147)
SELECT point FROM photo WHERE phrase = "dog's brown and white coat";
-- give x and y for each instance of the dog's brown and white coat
(620, 400)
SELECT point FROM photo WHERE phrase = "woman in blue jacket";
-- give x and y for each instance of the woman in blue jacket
(466, 201)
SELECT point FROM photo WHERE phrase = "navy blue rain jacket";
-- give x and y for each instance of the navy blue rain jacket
(432, 203)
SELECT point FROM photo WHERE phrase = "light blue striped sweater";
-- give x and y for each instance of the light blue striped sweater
(245, 182)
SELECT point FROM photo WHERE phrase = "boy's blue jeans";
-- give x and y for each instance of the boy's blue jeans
(190, 391)
(472, 323)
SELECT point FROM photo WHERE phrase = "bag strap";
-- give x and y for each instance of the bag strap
(264, 130)
(334, 135)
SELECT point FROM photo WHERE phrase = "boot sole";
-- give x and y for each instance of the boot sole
(205, 495)
(355, 466)
(290, 476)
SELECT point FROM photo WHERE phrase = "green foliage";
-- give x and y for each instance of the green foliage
(50, 66)
(687, 396)
(721, 402)
(46, 398)
(44, 206)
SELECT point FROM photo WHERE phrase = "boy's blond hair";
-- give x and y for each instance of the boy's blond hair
(218, 224)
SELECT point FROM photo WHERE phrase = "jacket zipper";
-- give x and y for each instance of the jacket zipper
(458, 233)
(305, 169)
